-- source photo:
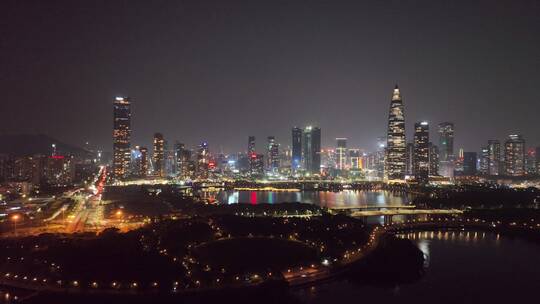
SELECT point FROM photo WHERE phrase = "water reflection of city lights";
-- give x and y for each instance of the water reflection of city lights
(423, 245)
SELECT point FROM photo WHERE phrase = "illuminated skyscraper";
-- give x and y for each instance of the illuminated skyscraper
(341, 153)
(121, 137)
(395, 147)
(530, 161)
(483, 167)
(159, 154)
(144, 161)
(251, 153)
(272, 154)
(494, 164)
(257, 164)
(296, 160)
(183, 158)
(285, 160)
(433, 159)
(312, 149)
(458, 163)
(355, 159)
(251, 145)
(203, 158)
(409, 159)
(446, 141)
(446, 149)
(421, 151)
(169, 159)
(514, 155)
(328, 161)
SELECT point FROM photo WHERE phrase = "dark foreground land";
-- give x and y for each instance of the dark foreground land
(196, 260)
(380, 269)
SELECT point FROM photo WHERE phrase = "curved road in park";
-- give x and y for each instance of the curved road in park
(296, 277)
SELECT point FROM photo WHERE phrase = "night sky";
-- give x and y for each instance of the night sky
(222, 70)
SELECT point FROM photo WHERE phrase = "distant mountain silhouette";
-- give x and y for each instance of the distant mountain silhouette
(31, 144)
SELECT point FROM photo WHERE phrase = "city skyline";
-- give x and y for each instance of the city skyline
(396, 157)
(306, 151)
(335, 76)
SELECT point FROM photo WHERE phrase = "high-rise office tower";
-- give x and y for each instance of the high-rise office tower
(376, 160)
(458, 162)
(158, 156)
(469, 163)
(53, 150)
(135, 162)
(296, 157)
(395, 146)
(285, 159)
(251, 145)
(312, 149)
(143, 166)
(433, 159)
(186, 166)
(446, 141)
(494, 164)
(242, 163)
(484, 161)
(530, 161)
(180, 157)
(251, 153)
(203, 159)
(355, 159)
(170, 159)
(446, 149)
(409, 159)
(256, 164)
(121, 137)
(514, 155)
(328, 161)
(272, 154)
(421, 152)
(341, 153)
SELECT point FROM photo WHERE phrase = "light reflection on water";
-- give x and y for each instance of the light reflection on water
(345, 198)
(462, 267)
(470, 237)
(423, 245)
(423, 239)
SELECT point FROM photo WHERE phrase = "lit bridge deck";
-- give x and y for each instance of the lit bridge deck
(404, 212)
(372, 207)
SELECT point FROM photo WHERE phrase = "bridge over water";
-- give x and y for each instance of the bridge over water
(388, 211)
(405, 212)
(371, 207)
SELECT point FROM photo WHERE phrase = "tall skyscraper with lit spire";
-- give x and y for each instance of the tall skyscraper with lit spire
(396, 145)
(121, 137)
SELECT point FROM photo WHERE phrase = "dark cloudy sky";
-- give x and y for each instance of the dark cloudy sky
(223, 70)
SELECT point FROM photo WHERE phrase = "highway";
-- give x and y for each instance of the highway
(88, 213)
(317, 273)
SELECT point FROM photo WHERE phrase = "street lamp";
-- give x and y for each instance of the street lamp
(119, 214)
(14, 219)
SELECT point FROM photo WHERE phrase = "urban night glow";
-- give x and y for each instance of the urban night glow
(269, 151)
